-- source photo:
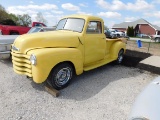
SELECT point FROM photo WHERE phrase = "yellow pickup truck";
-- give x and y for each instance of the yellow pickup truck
(78, 44)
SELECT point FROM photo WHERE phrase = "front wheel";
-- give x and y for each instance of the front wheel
(14, 33)
(120, 57)
(61, 75)
(118, 35)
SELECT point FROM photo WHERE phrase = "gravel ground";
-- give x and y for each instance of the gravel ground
(106, 93)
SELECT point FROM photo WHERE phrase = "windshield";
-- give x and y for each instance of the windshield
(34, 29)
(73, 24)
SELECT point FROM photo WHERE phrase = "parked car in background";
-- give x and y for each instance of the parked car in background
(118, 33)
(5, 45)
(110, 34)
(142, 35)
(147, 104)
(155, 38)
(40, 29)
(18, 30)
(7, 40)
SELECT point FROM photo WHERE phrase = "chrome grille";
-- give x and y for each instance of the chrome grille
(21, 64)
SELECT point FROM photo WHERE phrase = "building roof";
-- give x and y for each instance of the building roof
(156, 27)
(134, 24)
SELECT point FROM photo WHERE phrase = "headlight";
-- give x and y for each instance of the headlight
(33, 59)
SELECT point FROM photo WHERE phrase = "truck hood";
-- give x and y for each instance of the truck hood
(46, 40)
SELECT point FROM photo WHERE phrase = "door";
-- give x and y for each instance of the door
(95, 42)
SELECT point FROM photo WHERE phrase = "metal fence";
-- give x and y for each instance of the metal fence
(146, 47)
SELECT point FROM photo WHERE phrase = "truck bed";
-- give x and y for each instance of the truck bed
(117, 39)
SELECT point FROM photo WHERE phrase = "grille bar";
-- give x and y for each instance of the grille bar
(21, 64)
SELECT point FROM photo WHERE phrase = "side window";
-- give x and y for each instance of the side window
(38, 24)
(94, 27)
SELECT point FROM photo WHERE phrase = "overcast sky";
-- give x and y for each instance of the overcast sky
(112, 11)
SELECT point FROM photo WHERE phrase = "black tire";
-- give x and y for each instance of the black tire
(60, 76)
(14, 34)
(120, 57)
(118, 35)
(157, 39)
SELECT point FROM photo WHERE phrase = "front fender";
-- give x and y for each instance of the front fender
(47, 58)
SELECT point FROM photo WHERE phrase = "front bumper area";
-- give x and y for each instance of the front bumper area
(21, 64)
(5, 55)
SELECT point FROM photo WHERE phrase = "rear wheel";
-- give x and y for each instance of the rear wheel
(61, 75)
(120, 57)
(157, 40)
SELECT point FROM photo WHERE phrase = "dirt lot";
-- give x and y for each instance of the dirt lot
(134, 55)
(106, 93)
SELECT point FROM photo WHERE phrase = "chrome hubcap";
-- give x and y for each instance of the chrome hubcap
(120, 58)
(63, 76)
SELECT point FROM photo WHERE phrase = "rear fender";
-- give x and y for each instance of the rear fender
(116, 47)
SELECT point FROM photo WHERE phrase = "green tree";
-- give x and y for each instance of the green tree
(7, 22)
(7, 19)
(130, 31)
(14, 18)
(24, 20)
(40, 18)
(1, 7)
(3, 14)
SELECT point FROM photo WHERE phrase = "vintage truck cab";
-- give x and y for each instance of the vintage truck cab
(78, 44)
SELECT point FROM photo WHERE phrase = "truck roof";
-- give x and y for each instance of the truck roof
(86, 17)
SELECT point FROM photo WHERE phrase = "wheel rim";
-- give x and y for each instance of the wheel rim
(120, 57)
(63, 76)
(157, 39)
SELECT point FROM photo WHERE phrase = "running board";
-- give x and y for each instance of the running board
(98, 64)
